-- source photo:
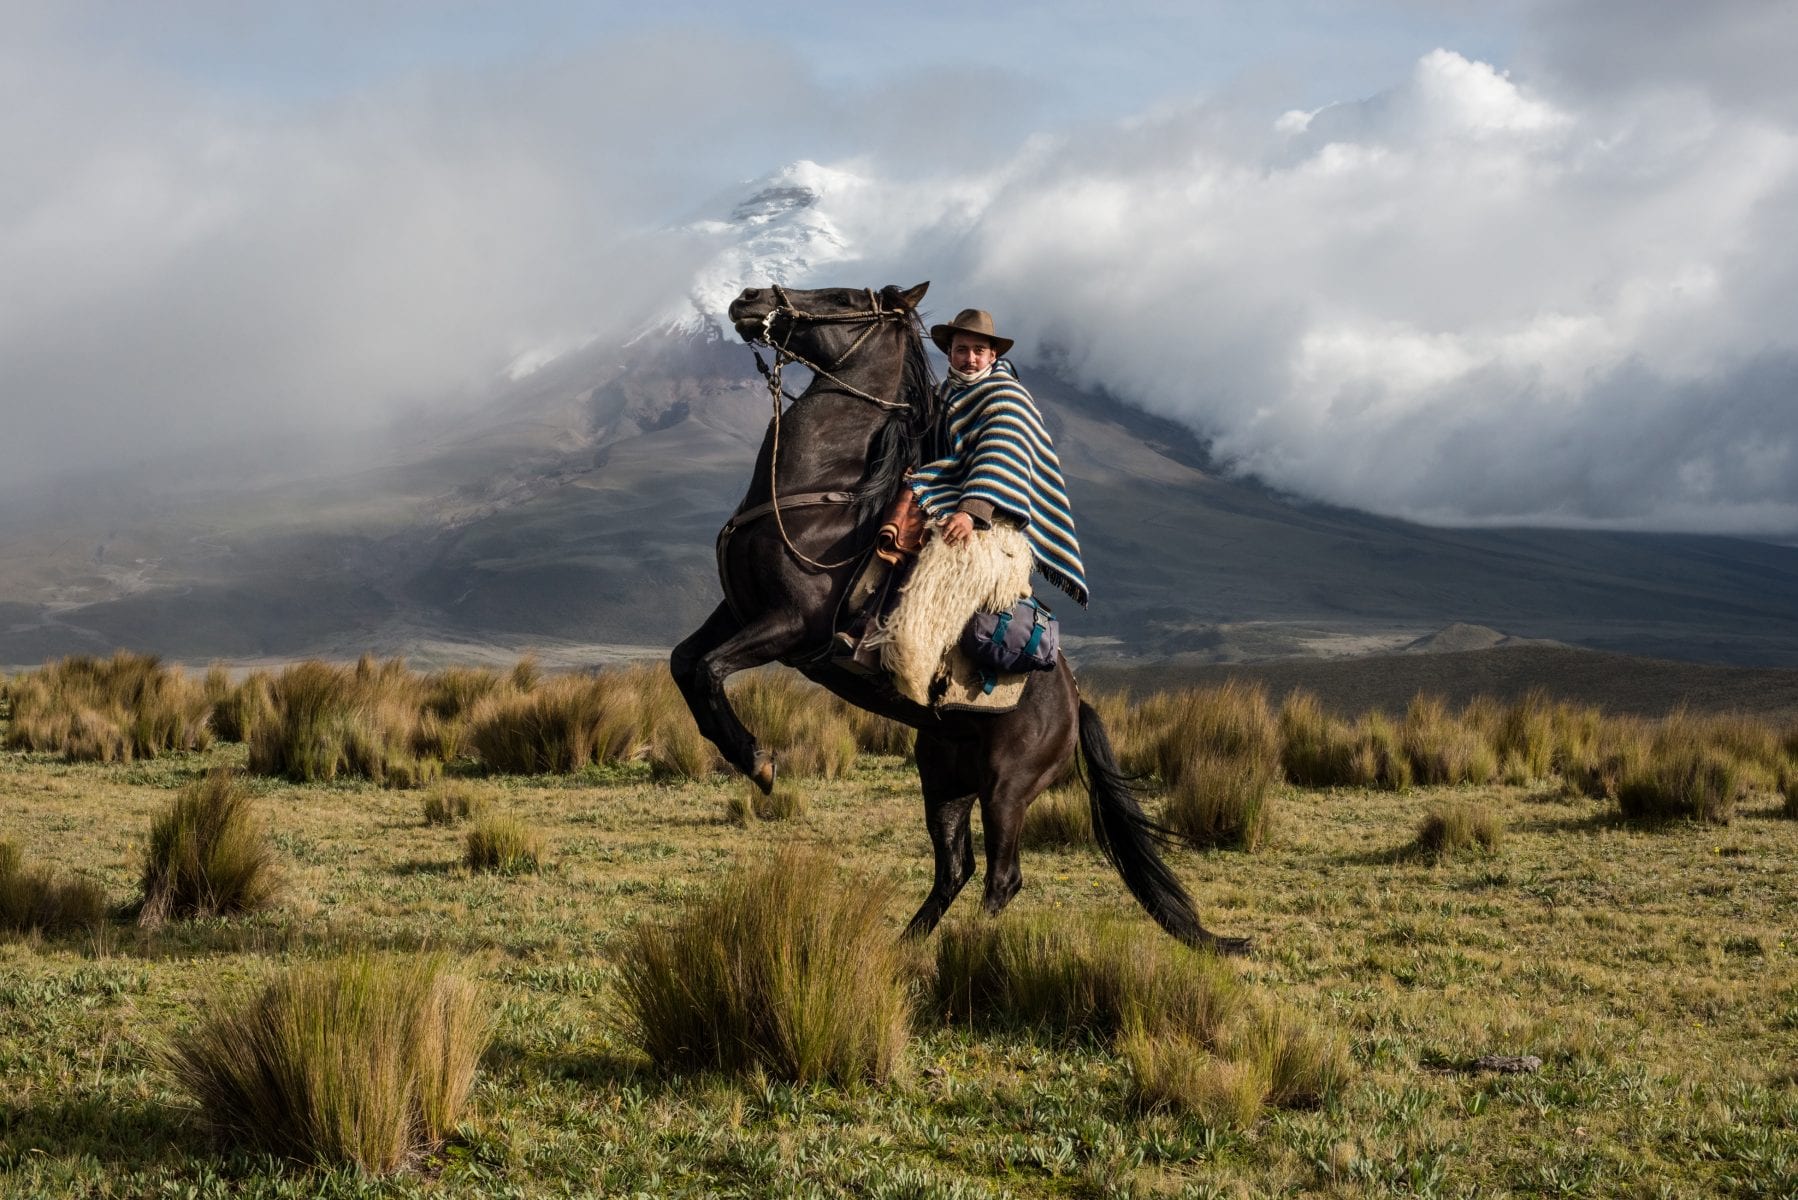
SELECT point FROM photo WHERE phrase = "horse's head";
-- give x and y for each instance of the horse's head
(789, 316)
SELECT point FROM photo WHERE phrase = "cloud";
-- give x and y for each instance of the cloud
(1465, 299)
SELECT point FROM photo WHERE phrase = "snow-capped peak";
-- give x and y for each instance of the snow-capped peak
(775, 229)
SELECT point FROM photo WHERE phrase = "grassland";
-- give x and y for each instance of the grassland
(1654, 971)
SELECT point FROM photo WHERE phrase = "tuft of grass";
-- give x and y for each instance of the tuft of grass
(804, 725)
(1788, 789)
(1219, 755)
(787, 968)
(1682, 781)
(117, 709)
(1061, 818)
(1380, 758)
(570, 721)
(503, 844)
(1301, 1066)
(450, 802)
(1173, 1071)
(1527, 738)
(362, 721)
(1091, 979)
(747, 805)
(207, 855)
(35, 900)
(1316, 749)
(680, 753)
(239, 709)
(1444, 749)
(1451, 829)
(364, 1062)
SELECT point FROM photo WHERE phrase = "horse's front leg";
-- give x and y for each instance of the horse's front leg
(717, 650)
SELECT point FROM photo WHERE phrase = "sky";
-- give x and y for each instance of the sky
(1504, 263)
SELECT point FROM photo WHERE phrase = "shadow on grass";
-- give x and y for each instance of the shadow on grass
(126, 1132)
(195, 939)
(425, 866)
(1593, 822)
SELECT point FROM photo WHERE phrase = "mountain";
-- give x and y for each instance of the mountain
(575, 512)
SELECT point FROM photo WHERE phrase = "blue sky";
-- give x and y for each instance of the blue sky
(1515, 262)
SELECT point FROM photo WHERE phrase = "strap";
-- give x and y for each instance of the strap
(1000, 628)
(799, 500)
(1036, 637)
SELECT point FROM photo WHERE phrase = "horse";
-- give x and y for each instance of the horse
(826, 470)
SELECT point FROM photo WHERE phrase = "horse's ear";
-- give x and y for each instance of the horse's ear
(912, 296)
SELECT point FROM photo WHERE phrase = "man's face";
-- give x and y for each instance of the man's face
(970, 353)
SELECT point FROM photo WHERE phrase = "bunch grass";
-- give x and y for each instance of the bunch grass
(208, 855)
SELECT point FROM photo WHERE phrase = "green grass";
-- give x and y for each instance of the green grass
(35, 899)
(1458, 828)
(504, 844)
(364, 1062)
(1653, 970)
(208, 855)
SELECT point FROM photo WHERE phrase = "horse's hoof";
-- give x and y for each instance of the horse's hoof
(763, 775)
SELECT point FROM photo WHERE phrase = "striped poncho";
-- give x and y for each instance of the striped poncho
(997, 450)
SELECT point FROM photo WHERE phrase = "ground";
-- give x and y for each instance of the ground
(1654, 972)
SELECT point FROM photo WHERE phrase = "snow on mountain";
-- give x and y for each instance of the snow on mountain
(776, 229)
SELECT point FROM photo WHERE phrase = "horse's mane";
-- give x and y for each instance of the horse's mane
(896, 445)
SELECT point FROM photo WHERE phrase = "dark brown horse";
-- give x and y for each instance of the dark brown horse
(834, 458)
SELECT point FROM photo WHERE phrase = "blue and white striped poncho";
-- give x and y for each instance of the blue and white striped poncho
(999, 451)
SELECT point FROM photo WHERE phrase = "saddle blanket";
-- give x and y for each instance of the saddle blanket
(989, 572)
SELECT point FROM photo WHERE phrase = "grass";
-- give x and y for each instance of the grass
(1454, 829)
(1652, 969)
(37, 900)
(503, 844)
(784, 969)
(452, 801)
(746, 804)
(1059, 819)
(208, 855)
(360, 722)
(365, 1061)
(117, 709)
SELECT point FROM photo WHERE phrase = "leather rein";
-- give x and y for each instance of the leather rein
(876, 316)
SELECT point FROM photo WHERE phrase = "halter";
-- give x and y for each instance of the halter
(876, 316)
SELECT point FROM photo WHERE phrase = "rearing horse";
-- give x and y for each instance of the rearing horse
(826, 469)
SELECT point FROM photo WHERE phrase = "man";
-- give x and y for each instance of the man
(995, 459)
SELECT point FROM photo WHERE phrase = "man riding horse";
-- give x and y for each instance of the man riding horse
(994, 457)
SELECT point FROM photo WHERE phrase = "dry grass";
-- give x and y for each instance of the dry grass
(1444, 749)
(786, 968)
(1173, 1071)
(363, 721)
(1219, 754)
(366, 1061)
(1788, 789)
(1222, 802)
(450, 802)
(1059, 819)
(503, 844)
(1448, 830)
(571, 721)
(240, 708)
(208, 855)
(1317, 749)
(1683, 782)
(37, 900)
(746, 805)
(116, 709)
(808, 730)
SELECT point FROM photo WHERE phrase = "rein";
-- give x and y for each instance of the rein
(874, 318)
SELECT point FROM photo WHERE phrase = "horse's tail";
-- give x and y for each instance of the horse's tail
(1128, 836)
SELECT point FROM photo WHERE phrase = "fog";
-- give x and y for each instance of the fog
(1545, 290)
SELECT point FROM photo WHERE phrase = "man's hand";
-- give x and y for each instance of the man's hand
(957, 528)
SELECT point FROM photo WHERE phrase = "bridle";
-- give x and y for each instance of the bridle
(876, 316)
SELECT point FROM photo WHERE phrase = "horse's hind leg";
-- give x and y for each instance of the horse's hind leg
(717, 650)
(949, 786)
(1002, 808)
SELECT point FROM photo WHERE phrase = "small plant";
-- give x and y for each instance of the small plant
(34, 900)
(1060, 818)
(117, 709)
(1444, 749)
(451, 802)
(1095, 980)
(1683, 782)
(747, 805)
(1223, 802)
(207, 856)
(785, 968)
(503, 844)
(363, 1062)
(1173, 1071)
(362, 721)
(1451, 829)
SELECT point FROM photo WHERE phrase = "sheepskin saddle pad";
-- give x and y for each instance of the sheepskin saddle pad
(919, 643)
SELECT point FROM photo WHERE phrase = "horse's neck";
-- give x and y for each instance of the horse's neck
(824, 439)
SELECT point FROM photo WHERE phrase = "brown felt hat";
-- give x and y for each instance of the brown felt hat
(969, 320)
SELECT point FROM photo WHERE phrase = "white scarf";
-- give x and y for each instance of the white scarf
(958, 380)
